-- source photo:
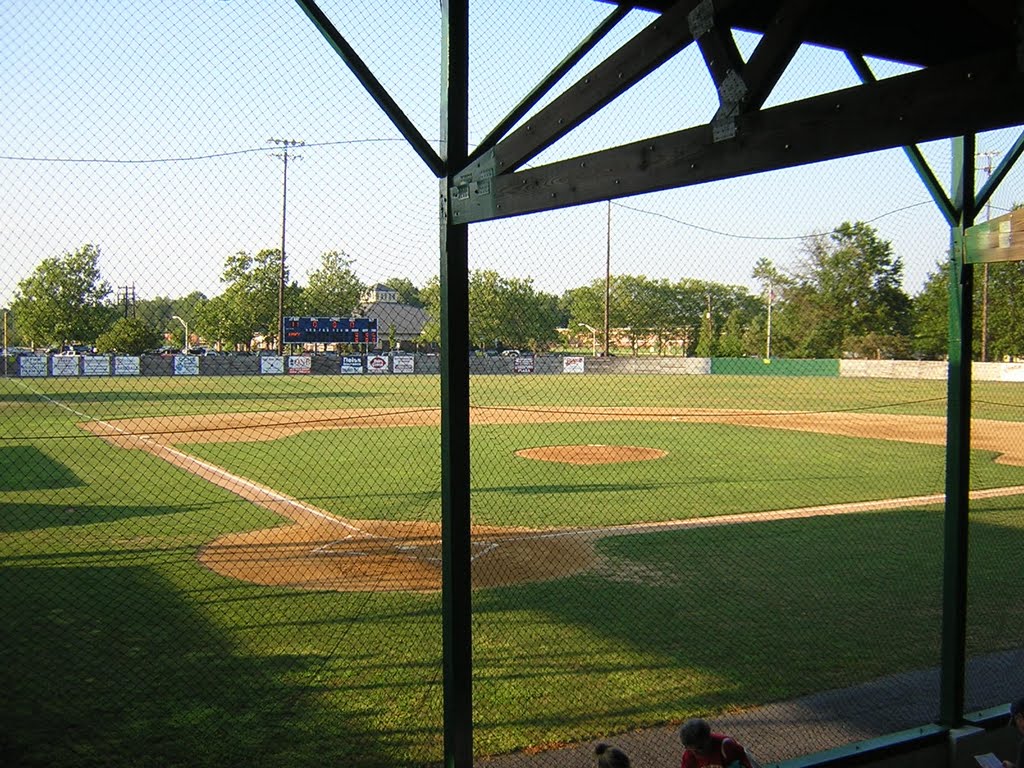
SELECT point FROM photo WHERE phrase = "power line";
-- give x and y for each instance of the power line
(184, 158)
(756, 237)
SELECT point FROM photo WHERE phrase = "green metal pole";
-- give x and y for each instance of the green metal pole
(958, 444)
(456, 581)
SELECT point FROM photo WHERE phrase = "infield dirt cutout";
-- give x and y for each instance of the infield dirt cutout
(321, 551)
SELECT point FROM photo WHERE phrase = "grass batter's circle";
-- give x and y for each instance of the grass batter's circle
(591, 454)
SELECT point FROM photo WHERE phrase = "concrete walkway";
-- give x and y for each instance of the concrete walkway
(815, 723)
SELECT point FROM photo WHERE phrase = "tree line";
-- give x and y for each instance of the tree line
(843, 297)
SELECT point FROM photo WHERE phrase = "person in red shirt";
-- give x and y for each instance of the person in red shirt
(704, 749)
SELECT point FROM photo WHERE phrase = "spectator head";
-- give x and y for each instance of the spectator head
(610, 757)
(695, 734)
(1017, 714)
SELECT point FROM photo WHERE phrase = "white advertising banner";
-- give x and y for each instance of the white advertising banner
(1012, 372)
(523, 364)
(271, 364)
(32, 366)
(574, 364)
(352, 364)
(95, 365)
(186, 365)
(403, 364)
(126, 366)
(65, 365)
(376, 364)
(300, 364)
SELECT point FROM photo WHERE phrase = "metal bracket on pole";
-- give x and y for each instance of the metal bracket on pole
(473, 191)
(701, 19)
(731, 94)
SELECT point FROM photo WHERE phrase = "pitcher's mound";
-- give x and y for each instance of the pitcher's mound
(591, 454)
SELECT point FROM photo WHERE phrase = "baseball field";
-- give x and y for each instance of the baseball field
(246, 569)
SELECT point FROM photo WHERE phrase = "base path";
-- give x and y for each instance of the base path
(321, 551)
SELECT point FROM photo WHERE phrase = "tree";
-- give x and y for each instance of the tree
(503, 312)
(847, 294)
(63, 300)
(431, 296)
(731, 340)
(130, 336)
(510, 312)
(707, 343)
(931, 316)
(773, 288)
(407, 292)
(248, 306)
(333, 289)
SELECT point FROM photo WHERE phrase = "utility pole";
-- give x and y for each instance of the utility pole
(608, 279)
(768, 344)
(984, 267)
(286, 144)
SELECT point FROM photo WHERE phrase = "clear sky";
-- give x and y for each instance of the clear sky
(142, 127)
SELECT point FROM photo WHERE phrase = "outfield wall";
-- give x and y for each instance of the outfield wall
(430, 364)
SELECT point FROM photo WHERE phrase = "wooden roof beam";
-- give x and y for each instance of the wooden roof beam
(966, 96)
(662, 39)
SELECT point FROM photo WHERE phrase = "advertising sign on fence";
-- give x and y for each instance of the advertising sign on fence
(126, 366)
(573, 364)
(65, 365)
(352, 364)
(95, 365)
(186, 365)
(1012, 372)
(33, 366)
(403, 364)
(300, 364)
(376, 364)
(271, 364)
(523, 364)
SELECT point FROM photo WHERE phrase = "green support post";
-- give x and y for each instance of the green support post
(456, 584)
(958, 444)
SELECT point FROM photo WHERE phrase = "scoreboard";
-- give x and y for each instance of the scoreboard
(330, 330)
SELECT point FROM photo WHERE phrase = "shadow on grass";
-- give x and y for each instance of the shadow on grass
(15, 518)
(673, 624)
(26, 468)
(107, 666)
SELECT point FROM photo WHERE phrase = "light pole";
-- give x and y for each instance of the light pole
(607, 279)
(593, 330)
(984, 267)
(184, 325)
(771, 298)
(286, 144)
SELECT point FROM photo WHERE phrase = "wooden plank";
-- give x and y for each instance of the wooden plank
(977, 95)
(774, 51)
(720, 54)
(657, 43)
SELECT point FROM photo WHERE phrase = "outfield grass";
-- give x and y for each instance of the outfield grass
(117, 648)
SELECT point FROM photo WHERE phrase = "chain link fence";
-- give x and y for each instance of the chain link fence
(708, 424)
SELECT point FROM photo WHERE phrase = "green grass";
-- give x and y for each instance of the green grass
(698, 477)
(118, 648)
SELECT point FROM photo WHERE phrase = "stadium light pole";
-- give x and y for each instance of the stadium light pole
(988, 155)
(593, 330)
(184, 347)
(607, 278)
(286, 144)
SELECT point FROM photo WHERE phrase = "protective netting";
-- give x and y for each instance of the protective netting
(708, 424)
